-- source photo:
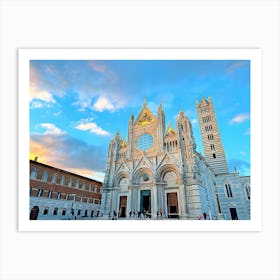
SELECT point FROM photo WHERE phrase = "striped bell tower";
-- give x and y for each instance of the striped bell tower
(212, 144)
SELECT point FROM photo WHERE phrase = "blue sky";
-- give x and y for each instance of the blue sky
(76, 106)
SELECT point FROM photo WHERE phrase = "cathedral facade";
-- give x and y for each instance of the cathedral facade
(157, 172)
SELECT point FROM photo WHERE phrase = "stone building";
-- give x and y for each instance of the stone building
(56, 194)
(157, 171)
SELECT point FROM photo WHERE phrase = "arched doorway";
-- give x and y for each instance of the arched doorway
(34, 213)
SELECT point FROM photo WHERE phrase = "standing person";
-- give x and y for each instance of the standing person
(204, 215)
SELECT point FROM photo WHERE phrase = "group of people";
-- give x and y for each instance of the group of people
(142, 215)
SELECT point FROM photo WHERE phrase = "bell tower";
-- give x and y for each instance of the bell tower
(211, 139)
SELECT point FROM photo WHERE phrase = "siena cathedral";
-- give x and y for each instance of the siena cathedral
(157, 172)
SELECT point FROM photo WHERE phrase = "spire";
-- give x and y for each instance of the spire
(145, 101)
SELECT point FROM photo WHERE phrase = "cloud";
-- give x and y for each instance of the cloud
(97, 67)
(243, 153)
(243, 167)
(194, 122)
(36, 104)
(42, 95)
(92, 127)
(247, 132)
(38, 97)
(235, 65)
(103, 104)
(239, 118)
(66, 152)
(51, 129)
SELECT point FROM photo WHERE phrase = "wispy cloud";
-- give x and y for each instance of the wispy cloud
(239, 118)
(38, 97)
(92, 127)
(235, 66)
(247, 132)
(51, 129)
(102, 104)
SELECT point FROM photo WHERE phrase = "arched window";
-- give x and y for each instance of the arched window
(45, 176)
(54, 178)
(46, 211)
(33, 174)
(77, 183)
(55, 210)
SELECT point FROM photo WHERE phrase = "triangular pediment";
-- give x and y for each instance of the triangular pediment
(143, 162)
(145, 116)
(124, 167)
(168, 159)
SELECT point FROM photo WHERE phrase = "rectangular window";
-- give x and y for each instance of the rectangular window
(233, 213)
(212, 147)
(228, 190)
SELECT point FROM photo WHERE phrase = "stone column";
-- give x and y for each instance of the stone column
(154, 201)
(129, 200)
(183, 202)
(161, 198)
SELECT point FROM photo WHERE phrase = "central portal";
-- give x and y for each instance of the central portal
(145, 200)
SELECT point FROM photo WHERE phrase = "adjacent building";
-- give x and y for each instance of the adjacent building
(56, 194)
(158, 171)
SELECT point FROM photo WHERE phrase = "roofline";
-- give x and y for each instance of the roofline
(58, 169)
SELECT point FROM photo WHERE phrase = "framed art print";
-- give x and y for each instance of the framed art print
(139, 139)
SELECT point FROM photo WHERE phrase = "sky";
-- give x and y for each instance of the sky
(77, 106)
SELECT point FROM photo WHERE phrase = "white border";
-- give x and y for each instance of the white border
(254, 55)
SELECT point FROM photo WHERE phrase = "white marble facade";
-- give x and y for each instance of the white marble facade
(157, 173)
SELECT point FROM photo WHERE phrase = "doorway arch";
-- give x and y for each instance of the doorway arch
(34, 213)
